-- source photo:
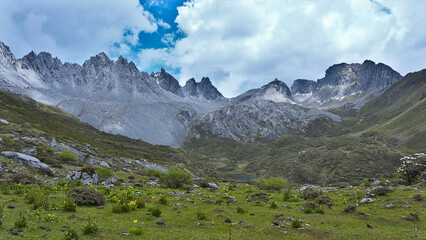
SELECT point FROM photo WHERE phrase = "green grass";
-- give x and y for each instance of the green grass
(206, 220)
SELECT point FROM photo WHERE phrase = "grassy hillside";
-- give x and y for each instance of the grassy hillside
(368, 143)
(32, 119)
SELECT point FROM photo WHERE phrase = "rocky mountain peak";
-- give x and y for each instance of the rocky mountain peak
(276, 91)
(168, 82)
(204, 89)
(7, 59)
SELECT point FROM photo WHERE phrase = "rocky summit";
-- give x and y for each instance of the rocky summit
(114, 96)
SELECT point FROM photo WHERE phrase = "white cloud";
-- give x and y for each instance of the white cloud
(72, 30)
(242, 44)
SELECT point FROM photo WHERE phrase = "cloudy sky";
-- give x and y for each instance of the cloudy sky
(239, 44)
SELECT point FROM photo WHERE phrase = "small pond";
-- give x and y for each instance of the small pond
(241, 177)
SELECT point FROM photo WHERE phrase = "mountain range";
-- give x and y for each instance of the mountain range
(114, 96)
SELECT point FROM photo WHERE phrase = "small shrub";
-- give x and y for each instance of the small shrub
(90, 227)
(21, 222)
(69, 205)
(319, 211)
(123, 207)
(71, 235)
(104, 173)
(350, 208)
(273, 204)
(201, 216)
(8, 140)
(155, 211)
(175, 178)
(381, 191)
(308, 210)
(310, 205)
(272, 183)
(240, 210)
(324, 200)
(418, 197)
(296, 224)
(152, 172)
(311, 193)
(412, 217)
(140, 204)
(87, 196)
(38, 198)
(162, 199)
(412, 168)
(287, 194)
(89, 170)
(50, 150)
(23, 178)
(66, 156)
(136, 231)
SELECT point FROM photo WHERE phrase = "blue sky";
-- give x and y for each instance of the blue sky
(239, 44)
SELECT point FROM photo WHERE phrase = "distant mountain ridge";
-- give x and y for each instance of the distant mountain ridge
(114, 96)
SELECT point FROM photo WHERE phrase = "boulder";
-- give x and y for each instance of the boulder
(29, 160)
(30, 151)
(4, 121)
(213, 185)
(104, 164)
(86, 178)
(367, 200)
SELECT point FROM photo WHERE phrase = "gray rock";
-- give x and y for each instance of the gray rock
(377, 182)
(53, 143)
(85, 178)
(367, 200)
(30, 151)
(104, 164)
(152, 166)
(127, 170)
(110, 180)
(4, 121)
(213, 185)
(29, 160)
(153, 184)
(152, 178)
(195, 186)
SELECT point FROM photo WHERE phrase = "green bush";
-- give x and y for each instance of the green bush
(8, 140)
(324, 200)
(175, 178)
(71, 235)
(155, 211)
(67, 156)
(319, 211)
(38, 198)
(23, 178)
(240, 210)
(69, 205)
(50, 150)
(21, 222)
(296, 224)
(382, 191)
(350, 208)
(140, 204)
(311, 193)
(87, 196)
(272, 183)
(273, 204)
(90, 227)
(308, 210)
(201, 216)
(163, 199)
(152, 172)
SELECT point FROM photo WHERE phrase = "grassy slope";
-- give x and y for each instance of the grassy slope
(33, 119)
(182, 223)
(367, 144)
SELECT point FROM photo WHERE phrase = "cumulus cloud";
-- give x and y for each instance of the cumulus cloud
(73, 30)
(242, 44)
